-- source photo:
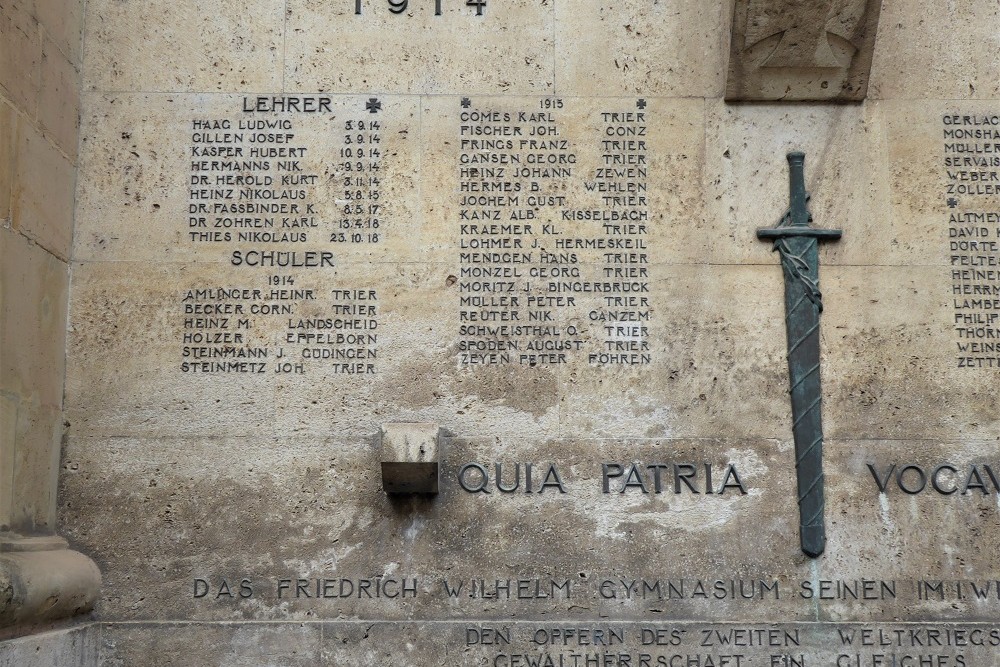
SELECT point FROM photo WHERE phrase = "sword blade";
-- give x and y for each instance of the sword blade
(800, 262)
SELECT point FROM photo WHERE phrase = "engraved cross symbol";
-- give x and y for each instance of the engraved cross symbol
(805, 27)
(466, 103)
(373, 105)
(640, 104)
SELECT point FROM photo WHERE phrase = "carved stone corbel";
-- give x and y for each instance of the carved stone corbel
(802, 50)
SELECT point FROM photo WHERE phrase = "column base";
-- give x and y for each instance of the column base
(43, 580)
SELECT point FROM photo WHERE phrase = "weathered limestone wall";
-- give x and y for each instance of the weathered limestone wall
(39, 119)
(74, 647)
(40, 42)
(226, 486)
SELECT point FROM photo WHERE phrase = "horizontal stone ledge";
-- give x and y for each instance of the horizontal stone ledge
(40, 585)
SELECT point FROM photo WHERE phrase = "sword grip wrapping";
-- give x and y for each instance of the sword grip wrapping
(797, 189)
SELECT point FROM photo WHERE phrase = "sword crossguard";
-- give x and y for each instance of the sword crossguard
(786, 232)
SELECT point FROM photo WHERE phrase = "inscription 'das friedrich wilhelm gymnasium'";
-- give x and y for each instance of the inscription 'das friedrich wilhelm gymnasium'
(617, 588)
(600, 587)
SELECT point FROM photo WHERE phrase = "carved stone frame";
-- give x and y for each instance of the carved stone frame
(802, 50)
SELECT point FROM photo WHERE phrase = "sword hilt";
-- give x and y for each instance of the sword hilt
(796, 221)
(797, 189)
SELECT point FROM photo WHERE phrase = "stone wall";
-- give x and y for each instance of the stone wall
(74, 647)
(222, 454)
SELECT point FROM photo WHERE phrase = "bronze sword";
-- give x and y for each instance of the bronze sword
(798, 244)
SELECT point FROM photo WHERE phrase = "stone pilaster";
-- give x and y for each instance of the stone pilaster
(41, 579)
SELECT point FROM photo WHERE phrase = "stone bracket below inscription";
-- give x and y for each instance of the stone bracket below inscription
(409, 455)
(789, 50)
(41, 580)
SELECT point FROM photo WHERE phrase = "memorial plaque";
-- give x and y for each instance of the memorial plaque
(438, 332)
